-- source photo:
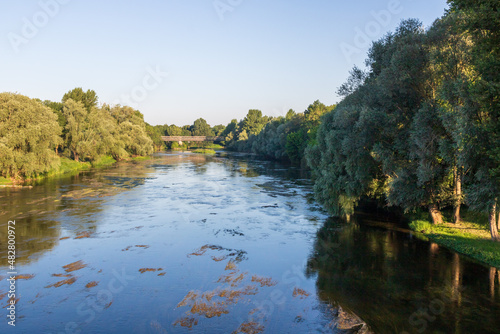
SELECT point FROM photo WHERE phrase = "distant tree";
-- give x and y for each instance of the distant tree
(218, 129)
(186, 130)
(173, 130)
(131, 131)
(88, 99)
(201, 128)
(29, 135)
(243, 135)
(254, 122)
(290, 115)
(155, 133)
(57, 108)
(230, 130)
(314, 112)
(79, 131)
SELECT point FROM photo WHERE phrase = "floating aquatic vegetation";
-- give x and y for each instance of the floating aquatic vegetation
(264, 281)
(74, 266)
(191, 296)
(91, 284)
(249, 327)
(299, 292)
(231, 265)
(26, 277)
(232, 296)
(161, 274)
(232, 278)
(64, 238)
(83, 235)
(187, 322)
(62, 275)
(68, 281)
(94, 190)
(143, 270)
(138, 246)
(238, 254)
(209, 310)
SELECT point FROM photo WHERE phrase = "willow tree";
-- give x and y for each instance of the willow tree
(87, 98)
(29, 135)
(131, 132)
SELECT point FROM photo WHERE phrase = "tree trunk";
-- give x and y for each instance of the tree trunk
(493, 223)
(436, 216)
(75, 155)
(458, 197)
(493, 273)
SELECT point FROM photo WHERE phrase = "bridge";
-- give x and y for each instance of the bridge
(181, 139)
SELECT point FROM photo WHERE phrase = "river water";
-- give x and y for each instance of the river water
(186, 243)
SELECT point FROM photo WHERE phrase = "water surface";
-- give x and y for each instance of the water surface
(187, 243)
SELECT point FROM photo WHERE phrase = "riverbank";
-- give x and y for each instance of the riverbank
(470, 237)
(68, 166)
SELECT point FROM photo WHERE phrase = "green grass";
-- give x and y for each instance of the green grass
(204, 151)
(70, 166)
(213, 146)
(5, 182)
(103, 161)
(141, 158)
(470, 237)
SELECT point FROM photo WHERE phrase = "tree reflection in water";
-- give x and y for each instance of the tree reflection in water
(398, 283)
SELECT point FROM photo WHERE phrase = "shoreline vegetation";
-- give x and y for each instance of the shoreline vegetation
(470, 237)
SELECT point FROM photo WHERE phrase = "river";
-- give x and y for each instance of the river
(186, 243)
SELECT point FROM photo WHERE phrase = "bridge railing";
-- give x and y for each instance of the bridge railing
(191, 138)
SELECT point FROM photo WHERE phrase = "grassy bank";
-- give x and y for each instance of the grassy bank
(204, 151)
(103, 161)
(470, 237)
(67, 166)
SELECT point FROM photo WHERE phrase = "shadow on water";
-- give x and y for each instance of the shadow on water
(400, 284)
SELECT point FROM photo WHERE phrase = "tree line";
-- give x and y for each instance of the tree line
(35, 134)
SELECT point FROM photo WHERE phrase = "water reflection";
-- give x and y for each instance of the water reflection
(200, 243)
(62, 206)
(398, 283)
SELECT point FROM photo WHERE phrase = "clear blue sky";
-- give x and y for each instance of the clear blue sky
(271, 55)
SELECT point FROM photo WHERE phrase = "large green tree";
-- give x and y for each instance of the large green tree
(481, 20)
(87, 98)
(29, 135)
(200, 127)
